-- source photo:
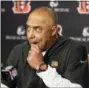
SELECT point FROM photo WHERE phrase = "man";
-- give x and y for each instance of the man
(46, 59)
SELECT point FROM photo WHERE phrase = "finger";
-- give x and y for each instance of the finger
(35, 48)
(29, 52)
(29, 58)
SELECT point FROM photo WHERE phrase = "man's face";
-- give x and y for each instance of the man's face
(39, 31)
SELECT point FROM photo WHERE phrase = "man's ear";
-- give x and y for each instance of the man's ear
(59, 30)
(54, 30)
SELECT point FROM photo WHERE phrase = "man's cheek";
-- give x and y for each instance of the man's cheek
(41, 44)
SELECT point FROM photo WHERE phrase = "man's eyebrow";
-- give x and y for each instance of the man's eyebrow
(33, 26)
(36, 26)
(26, 24)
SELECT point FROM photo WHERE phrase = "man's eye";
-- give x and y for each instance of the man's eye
(27, 26)
(38, 29)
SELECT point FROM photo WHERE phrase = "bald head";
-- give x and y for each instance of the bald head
(46, 13)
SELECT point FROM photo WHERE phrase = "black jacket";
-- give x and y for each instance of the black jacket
(67, 52)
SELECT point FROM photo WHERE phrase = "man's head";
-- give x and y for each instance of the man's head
(42, 27)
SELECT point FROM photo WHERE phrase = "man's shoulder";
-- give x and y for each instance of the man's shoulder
(21, 45)
(70, 43)
(65, 41)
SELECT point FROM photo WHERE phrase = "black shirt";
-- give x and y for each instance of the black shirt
(67, 52)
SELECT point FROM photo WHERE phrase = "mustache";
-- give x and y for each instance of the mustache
(33, 42)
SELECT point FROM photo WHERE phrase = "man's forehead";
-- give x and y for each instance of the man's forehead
(33, 22)
(38, 17)
(37, 20)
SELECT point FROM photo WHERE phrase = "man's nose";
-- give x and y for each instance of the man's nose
(31, 34)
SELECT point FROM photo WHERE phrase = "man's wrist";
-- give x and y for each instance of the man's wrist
(42, 67)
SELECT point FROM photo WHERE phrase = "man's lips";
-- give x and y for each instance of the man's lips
(33, 42)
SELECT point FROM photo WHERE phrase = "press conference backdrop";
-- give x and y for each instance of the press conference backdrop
(72, 18)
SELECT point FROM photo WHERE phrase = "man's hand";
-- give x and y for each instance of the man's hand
(35, 57)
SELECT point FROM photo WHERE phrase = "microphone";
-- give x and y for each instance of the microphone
(9, 76)
(3, 86)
